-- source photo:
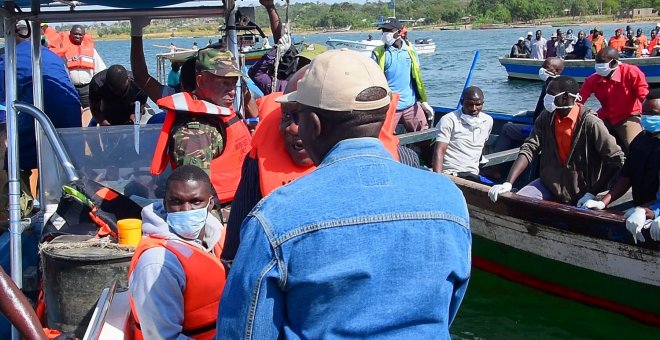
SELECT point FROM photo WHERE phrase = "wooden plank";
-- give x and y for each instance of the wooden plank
(501, 157)
(419, 136)
(603, 256)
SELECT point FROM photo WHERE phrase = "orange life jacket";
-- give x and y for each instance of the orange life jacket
(225, 169)
(54, 40)
(78, 56)
(276, 168)
(205, 280)
(618, 43)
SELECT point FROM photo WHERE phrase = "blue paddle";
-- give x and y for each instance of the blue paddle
(469, 78)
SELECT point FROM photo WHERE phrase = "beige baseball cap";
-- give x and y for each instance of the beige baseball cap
(334, 80)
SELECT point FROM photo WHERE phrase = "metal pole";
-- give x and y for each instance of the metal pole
(37, 91)
(232, 45)
(15, 228)
(52, 136)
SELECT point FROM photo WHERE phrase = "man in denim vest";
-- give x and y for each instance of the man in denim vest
(350, 250)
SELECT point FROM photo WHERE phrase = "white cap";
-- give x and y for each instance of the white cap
(521, 39)
(529, 33)
(554, 35)
(335, 79)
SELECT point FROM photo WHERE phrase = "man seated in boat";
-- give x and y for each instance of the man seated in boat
(580, 157)
(398, 60)
(278, 157)
(201, 127)
(512, 135)
(642, 165)
(653, 43)
(263, 72)
(620, 88)
(582, 49)
(597, 40)
(631, 46)
(461, 137)
(152, 87)
(349, 250)
(518, 49)
(176, 277)
(112, 96)
(618, 41)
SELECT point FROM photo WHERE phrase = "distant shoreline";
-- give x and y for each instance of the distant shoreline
(554, 22)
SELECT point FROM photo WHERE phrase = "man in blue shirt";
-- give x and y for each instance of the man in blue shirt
(398, 60)
(349, 251)
(582, 48)
(61, 101)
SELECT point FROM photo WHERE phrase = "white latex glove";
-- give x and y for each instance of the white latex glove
(655, 229)
(635, 220)
(284, 43)
(584, 199)
(594, 205)
(137, 24)
(498, 189)
(430, 113)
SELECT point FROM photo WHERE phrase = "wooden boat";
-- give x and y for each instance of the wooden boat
(522, 68)
(583, 255)
(424, 46)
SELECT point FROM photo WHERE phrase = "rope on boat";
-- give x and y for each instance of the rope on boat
(280, 49)
(105, 242)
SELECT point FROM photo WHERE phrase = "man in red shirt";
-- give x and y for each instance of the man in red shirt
(620, 88)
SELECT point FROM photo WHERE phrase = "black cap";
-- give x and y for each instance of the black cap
(391, 24)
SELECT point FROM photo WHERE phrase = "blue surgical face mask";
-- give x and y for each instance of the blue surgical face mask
(651, 123)
(188, 224)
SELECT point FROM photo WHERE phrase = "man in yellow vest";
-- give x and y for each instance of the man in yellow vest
(398, 59)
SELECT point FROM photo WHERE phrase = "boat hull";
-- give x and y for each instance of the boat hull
(582, 255)
(520, 68)
(367, 46)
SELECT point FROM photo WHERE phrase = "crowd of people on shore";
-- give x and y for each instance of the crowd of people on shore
(566, 45)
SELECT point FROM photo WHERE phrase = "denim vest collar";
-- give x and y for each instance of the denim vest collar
(355, 147)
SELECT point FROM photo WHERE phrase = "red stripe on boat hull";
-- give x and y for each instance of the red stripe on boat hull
(565, 292)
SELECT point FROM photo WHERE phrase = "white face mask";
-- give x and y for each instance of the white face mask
(188, 224)
(604, 69)
(470, 119)
(544, 74)
(388, 38)
(549, 101)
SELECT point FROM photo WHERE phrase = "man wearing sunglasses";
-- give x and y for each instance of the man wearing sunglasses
(201, 127)
(349, 250)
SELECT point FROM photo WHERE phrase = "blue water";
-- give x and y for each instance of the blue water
(493, 308)
(444, 72)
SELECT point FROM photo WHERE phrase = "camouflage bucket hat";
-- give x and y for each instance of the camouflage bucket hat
(219, 62)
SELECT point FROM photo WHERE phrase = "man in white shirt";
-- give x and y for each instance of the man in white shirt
(462, 136)
(83, 62)
(539, 46)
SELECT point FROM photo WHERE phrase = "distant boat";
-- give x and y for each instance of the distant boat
(422, 46)
(425, 46)
(337, 30)
(523, 68)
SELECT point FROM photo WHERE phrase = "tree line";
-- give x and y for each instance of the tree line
(321, 15)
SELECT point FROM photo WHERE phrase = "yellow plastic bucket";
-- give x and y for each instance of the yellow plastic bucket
(130, 231)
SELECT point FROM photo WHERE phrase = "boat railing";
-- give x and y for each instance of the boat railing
(53, 137)
(495, 158)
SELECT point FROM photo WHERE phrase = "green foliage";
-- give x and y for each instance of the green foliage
(321, 15)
